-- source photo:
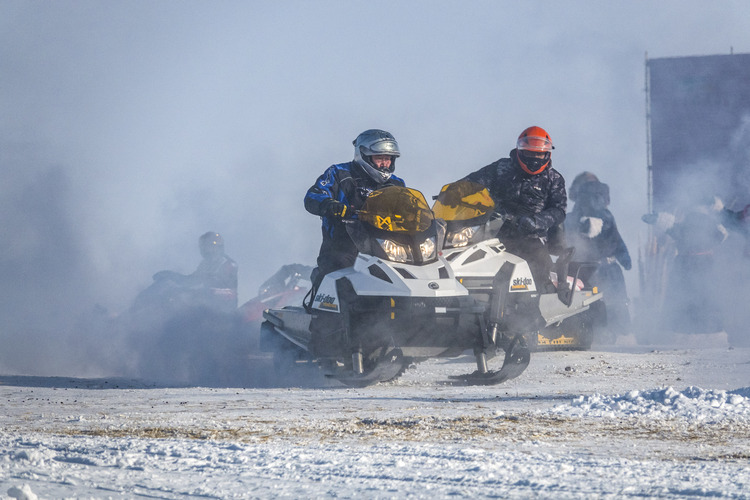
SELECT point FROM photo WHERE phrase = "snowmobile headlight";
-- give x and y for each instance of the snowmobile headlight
(395, 251)
(461, 238)
(427, 247)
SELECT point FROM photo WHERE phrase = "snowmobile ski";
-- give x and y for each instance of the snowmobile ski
(517, 357)
(386, 368)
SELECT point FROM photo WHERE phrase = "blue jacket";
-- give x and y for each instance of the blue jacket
(347, 183)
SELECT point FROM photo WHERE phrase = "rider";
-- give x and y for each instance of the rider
(343, 188)
(213, 283)
(337, 194)
(531, 195)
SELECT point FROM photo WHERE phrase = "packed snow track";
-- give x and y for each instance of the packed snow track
(617, 423)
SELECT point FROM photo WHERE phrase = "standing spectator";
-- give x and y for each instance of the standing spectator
(590, 227)
(691, 304)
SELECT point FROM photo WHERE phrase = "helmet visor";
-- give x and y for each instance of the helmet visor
(534, 143)
(384, 147)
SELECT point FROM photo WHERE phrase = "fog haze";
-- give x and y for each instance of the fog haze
(128, 129)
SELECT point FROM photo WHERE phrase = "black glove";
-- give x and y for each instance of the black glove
(335, 209)
(650, 218)
(624, 261)
(528, 225)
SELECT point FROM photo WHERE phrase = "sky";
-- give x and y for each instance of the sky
(129, 129)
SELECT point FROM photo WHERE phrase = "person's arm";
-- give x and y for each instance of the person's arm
(321, 192)
(621, 250)
(552, 215)
(557, 202)
(322, 197)
(484, 176)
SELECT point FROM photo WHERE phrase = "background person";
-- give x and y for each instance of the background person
(591, 229)
(212, 284)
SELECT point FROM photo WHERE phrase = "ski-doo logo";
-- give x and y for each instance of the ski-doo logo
(326, 301)
(384, 223)
(521, 283)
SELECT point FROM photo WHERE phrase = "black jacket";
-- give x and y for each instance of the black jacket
(594, 234)
(518, 194)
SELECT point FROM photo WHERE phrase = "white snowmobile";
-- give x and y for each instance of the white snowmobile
(400, 303)
(514, 303)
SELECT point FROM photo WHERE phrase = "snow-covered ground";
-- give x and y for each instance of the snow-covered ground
(613, 422)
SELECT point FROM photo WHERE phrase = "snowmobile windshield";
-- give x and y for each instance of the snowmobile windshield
(463, 201)
(397, 209)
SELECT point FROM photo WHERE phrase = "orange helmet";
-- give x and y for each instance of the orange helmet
(534, 149)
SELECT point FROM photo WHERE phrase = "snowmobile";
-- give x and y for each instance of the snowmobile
(175, 332)
(399, 304)
(550, 315)
(287, 286)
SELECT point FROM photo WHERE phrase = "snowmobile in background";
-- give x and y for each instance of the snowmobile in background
(399, 304)
(287, 286)
(180, 332)
(503, 282)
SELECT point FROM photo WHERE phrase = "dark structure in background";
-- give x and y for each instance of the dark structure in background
(698, 123)
(698, 113)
